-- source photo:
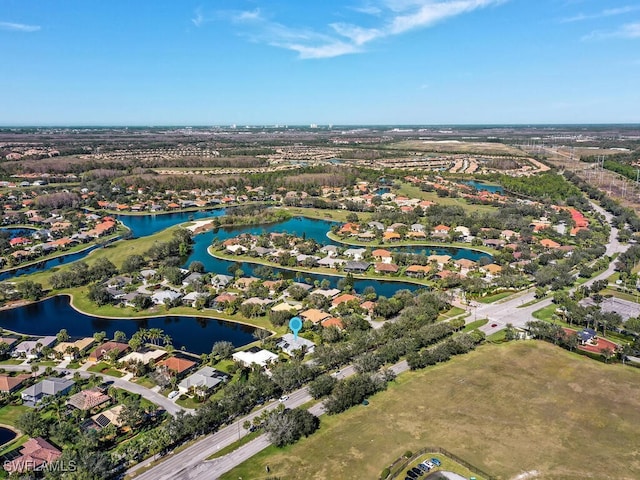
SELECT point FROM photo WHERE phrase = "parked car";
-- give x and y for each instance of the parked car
(436, 462)
(427, 467)
(417, 471)
(411, 474)
(284, 398)
(423, 467)
(430, 465)
(173, 394)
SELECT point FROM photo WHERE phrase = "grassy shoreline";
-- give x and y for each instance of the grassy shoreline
(410, 243)
(317, 270)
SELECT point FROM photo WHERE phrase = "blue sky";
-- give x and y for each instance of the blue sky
(342, 62)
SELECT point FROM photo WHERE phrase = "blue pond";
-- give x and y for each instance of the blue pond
(197, 335)
(6, 435)
(485, 186)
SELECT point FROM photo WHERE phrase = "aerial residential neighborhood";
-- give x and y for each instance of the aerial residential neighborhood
(381, 239)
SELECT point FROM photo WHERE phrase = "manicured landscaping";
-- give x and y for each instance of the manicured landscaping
(105, 369)
(9, 413)
(475, 324)
(488, 407)
(237, 444)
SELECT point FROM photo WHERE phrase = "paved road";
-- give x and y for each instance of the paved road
(512, 310)
(191, 463)
(150, 395)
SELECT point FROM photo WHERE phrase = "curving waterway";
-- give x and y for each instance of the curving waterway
(196, 334)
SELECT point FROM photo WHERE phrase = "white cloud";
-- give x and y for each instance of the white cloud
(248, 16)
(18, 27)
(610, 12)
(628, 31)
(395, 17)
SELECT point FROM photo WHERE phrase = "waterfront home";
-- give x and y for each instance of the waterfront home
(221, 281)
(356, 267)
(163, 296)
(345, 297)
(175, 366)
(330, 262)
(330, 250)
(223, 300)
(331, 293)
(203, 380)
(107, 350)
(376, 225)
(35, 454)
(441, 260)
(255, 357)
(88, 399)
(70, 350)
(191, 299)
(417, 271)
(192, 279)
(244, 282)
(355, 253)
(49, 387)
(391, 236)
(386, 268)
(143, 357)
(31, 348)
(237, 249)
(417, 227)
(287, 306)
(381, 255)
(290, 344)
(8, 340)
(463, 233)
(9, 384)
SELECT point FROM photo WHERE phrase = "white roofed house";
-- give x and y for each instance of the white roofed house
(252, 357)
(202, 381)
(220, 281)
(164, 296)
(289, 344)
(30, 349)
(355, 253)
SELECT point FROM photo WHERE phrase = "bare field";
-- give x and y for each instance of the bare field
(485, 148)
(508, 409)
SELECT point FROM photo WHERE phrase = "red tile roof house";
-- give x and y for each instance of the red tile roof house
(106, 348)
(34, 454)
(11, 384)
(176, 365)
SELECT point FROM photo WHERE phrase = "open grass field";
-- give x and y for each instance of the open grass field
(330, 215)
(411, 191)
(508, 409)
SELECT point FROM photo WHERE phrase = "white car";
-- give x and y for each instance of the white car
(173, 394)
(284, 398)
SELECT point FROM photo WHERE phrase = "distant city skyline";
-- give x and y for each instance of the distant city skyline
(353, 62)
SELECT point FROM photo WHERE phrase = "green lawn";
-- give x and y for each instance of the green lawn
(411, 191)
(452, 312)
(331, 215)
(10, 413)
(410, 243)
(495, 298)
(545, 313)
(105, 369)
(237, 444)
(475, 324)
(12, 361)
(508, 409)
